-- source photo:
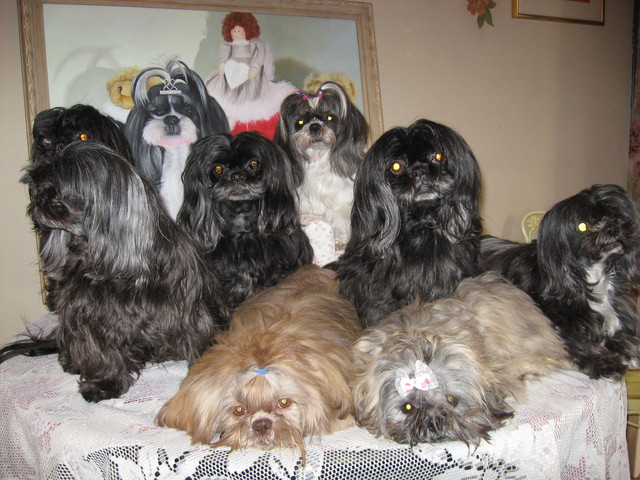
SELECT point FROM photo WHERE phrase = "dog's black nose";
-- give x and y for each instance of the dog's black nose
(315, 128)
(171, 125)
(261, 426)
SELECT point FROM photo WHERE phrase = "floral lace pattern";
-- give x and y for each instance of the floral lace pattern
(571, 427)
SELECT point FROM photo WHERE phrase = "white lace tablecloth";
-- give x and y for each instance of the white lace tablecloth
(571, 428)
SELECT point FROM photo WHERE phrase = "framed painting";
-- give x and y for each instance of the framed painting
(573, 11)
(72, 48)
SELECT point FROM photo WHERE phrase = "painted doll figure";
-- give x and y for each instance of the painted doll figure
(242, 83)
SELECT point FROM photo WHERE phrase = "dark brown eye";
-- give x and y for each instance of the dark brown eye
(397, 168)
(407, 408)
(218, 169)
(284, 403)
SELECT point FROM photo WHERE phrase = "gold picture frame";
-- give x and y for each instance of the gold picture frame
(34, 47)
(589, 12)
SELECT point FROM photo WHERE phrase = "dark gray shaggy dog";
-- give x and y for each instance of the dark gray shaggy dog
(133, 286)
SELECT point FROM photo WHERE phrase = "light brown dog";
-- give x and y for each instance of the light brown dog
(280, 373)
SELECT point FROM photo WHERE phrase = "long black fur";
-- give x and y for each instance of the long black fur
(554, 270)
(134, 288)
(415, 232)
(57, 127)
(245, 216)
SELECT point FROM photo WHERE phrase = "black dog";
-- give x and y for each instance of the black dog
(415, 227)
(133, 285)
(581, 271)
(54, 129)
(239, 205)
(172, 111)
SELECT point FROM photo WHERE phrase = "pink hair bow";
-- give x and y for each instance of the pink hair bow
(423, 379)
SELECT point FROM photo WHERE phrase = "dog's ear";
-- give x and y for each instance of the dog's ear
(278, 211)
(120, 210)
(352, 134)
(214, 120)
(197, 213)
(557, 260)
(626, 212)
(375, 215)
(282, 137)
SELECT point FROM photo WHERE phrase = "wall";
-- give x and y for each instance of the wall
(544, 105)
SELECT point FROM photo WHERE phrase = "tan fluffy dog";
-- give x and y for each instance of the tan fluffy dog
(279, 374)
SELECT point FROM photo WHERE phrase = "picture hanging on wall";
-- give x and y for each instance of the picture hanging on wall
(74, 52)
(573, 11)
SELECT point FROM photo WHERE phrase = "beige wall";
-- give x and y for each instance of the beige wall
(544, 105)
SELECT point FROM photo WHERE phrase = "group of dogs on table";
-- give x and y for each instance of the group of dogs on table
(422, 330)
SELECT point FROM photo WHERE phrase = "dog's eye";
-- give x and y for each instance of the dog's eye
(451, 400)
(83, 137)
(238, 411)
(300, 123)
(218, 169)
(407, 408)
(397, 167)
(329, 118)
(284, 403)
(583, 226)
(438, 157)
(253, 165)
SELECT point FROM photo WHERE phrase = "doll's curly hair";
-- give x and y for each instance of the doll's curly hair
(245, 20)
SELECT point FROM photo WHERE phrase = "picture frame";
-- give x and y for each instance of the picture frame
(589, 12)
(36, 20)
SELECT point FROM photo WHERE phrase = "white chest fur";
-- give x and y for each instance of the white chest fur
(602, 290)
(171, 189)
(326, 195)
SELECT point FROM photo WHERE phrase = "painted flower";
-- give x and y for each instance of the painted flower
(481, 8)
(477, 7)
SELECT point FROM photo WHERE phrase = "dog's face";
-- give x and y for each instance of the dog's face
(323, 122)
(313, 121)
(268, 410)
(421, 176)
(55, 128)
(224, 171)
(593, 225)
(430, 390)
(237, 169)
(426, 163)
(172, 119)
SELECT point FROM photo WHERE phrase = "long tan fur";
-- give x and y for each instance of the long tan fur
(301, 330)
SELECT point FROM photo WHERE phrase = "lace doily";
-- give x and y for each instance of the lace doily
(571, 428)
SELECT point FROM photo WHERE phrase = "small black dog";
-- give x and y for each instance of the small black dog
(239, 205)
(415, 227)
(172, 111)
(55, 128)
(133, 285)
(581, 271)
